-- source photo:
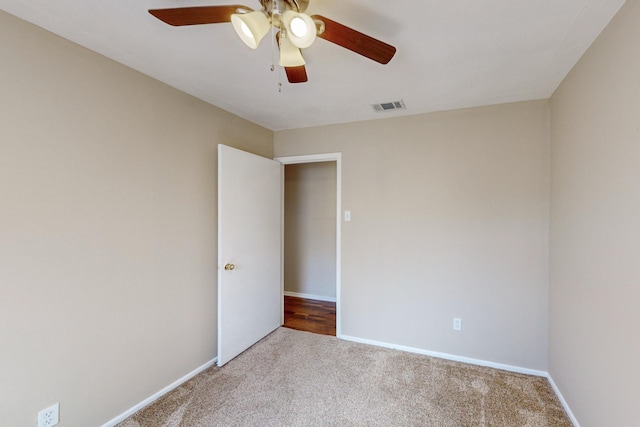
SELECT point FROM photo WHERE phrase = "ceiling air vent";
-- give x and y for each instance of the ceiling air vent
(390, 106)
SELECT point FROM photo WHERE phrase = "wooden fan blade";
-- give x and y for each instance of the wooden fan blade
(296, 74)
(355, 41)
(198, 14)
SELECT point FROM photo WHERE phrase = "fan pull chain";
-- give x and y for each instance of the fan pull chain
(275, 50)
(273, 36)
(271, 5)
(273, 67)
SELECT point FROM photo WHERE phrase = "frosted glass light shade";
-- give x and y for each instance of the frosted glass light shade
(251, 27)
(290, 55)
(301, 29)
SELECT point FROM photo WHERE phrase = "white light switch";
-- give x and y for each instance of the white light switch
(347, 216)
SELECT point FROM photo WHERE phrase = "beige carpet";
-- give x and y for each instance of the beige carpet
(294, 378)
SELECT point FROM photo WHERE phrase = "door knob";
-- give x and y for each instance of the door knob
(229, 267)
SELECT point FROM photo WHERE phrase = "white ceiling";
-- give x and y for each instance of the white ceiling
(450, 53)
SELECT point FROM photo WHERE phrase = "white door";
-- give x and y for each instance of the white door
(249, 250)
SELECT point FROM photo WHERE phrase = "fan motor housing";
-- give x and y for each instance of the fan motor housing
(297, 5)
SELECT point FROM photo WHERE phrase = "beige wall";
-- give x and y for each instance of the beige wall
(450, 219)
(310, 229)
(107, 229)
(595, 223)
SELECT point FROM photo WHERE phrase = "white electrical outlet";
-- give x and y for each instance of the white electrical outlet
(49, 417)
(457, 324)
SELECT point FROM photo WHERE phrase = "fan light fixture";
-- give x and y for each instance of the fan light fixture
(290, 55)
(300, 28)
(251, 27)
(292, 29)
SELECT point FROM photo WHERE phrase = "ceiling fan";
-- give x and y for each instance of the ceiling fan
(295, 30)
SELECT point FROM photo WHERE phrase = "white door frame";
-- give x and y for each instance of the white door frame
(317, 158)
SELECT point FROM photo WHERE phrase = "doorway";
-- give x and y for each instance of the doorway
(311, 236)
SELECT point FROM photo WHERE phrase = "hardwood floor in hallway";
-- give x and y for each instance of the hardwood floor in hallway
(310, 315)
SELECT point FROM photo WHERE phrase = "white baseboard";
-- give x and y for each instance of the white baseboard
(159, 394)
(565, 405)
(309, 296)
(447, 356)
